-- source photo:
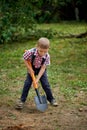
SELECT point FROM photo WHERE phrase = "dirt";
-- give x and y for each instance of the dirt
(68, 115)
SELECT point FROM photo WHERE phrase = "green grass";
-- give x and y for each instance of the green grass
(66, 27)
(68, 69)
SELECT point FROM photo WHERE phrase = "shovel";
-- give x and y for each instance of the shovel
(40, 100)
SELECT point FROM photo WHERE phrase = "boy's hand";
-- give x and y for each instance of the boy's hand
(40, 73)
(35, 82)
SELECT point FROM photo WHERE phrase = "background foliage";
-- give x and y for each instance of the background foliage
(18, 18)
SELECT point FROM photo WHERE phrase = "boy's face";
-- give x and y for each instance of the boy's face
(42, 51)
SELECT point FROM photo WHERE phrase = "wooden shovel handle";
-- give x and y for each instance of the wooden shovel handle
(33, 76)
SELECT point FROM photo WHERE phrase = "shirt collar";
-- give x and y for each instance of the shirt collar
(36, 54)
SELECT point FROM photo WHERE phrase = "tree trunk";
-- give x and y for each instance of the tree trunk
(77, 14)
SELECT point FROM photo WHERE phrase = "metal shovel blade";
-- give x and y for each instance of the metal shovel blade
(41, 106)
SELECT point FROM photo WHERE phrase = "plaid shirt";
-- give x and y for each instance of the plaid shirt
(38, 59)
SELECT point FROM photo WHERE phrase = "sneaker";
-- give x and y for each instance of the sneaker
(19, 105)
(54, 103)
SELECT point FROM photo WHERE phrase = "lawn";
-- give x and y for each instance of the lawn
(67, 76)
(68, 69)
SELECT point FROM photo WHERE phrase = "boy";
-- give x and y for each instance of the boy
(39, 59)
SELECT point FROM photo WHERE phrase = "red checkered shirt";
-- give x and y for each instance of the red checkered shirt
(38, 59)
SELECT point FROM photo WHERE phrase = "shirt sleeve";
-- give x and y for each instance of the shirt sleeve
(47, 61)
(27, 55)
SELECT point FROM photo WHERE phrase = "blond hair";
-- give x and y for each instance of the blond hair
(43, 43)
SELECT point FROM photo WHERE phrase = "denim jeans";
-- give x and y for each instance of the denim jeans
(44, 82)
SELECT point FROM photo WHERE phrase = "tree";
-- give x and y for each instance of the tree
(15, 15)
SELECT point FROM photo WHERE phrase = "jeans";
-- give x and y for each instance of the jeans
(44, 82)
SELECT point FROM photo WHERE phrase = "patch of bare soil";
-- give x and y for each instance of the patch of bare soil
(67, 116)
